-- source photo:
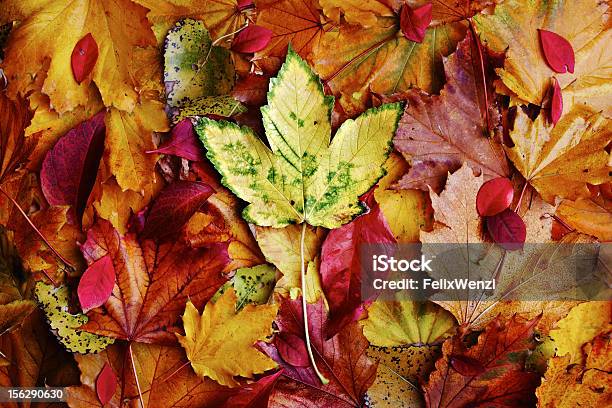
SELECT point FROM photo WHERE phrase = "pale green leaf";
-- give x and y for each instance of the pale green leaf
(301, 177)
(55, 304)
(194, 67)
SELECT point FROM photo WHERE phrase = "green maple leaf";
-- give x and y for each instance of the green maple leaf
(302, 177)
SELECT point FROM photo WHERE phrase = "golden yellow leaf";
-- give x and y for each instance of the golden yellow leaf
(118, 26)
(407, 211)
(128, 137)
(117, 206)
(220, 342)
(221, 17)
(513, 29)
(281, 247)
(583, 322)
(591, 216)
(561, 160)
(405, 322)
(588, 384)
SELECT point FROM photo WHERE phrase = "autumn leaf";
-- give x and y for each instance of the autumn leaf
(112, 75)
(407, 211)
(163, 379)
(69, 170)
(221, 17)
(194, 67)
(588, 384)
(514, 27)
(52, 223)
(281, 247)
(128, 137)
(294, 22)
(254, 395)
(14, 305)
(328, 178)
(491, 370)
(581, 325)
(398, 323)
(219, 221)
(54, 302)
(212, 353)
(591, 216)
(15, 116)
(374, 56)
(342, 359)
(117, 206)
(173, 207)
(49, 126)
(152, 283)
(35, 357)
(438, 133)
(182, 142)
(562, 160)
(341, 262)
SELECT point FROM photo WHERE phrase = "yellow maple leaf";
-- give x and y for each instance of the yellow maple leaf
(220, 342)
(513, 29)
(583, 322)
(406, 211)
(561, 160)
(589, 384)
(128, 137)
(118, 28)
(591, 216)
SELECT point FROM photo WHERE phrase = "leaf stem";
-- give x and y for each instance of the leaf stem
(135, 375)
(520, 199)
(57, 254)
(305, 309)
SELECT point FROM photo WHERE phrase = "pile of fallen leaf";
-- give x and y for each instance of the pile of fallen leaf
(185, 186)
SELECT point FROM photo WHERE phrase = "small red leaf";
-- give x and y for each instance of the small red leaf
(414, 22)
(556, 105)
(69, 170)
(84, 57)
(252, 39)
(558, 52)
(494, 196)
(96, 284)
(507, 229)
(106, 384)
(173, 207)
(182, 143)
(466, 366)
(292, 349)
